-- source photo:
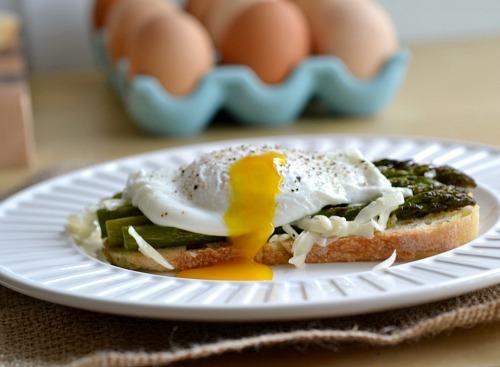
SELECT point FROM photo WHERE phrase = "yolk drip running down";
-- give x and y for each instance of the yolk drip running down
(255, 185)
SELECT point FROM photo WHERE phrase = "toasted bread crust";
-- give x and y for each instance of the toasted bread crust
(179, 257)
(412, 240)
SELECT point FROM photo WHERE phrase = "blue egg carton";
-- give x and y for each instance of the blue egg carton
(238, 90)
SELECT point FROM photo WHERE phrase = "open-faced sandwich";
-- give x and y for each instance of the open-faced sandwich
(231, 213)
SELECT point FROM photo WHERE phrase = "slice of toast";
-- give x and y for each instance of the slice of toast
(413, 239)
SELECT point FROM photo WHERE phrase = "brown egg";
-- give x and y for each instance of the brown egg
(174, 48)
(221, 14)
(101, 11)
(357, 31)
(271, 37)
(200, 8)
(126, 17)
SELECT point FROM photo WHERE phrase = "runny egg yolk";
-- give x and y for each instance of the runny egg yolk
(255, 184)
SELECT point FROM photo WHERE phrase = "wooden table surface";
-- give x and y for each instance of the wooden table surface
(452, 91)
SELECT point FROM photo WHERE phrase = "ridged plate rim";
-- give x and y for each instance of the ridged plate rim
(369, 295)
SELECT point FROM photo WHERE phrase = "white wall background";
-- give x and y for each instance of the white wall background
(57, 31)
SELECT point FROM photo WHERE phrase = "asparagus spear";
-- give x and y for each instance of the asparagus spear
(348, 212)
(451, 176)
(114, 228)
(443, 174)
(428, 202)
(104, 215)
(416, 183)
(159, 237)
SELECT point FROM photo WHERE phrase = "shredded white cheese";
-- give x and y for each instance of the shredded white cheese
(279, 237)
(322, 230)
(111, 204)
(149, 251)
(85, 231)
(290, 231)
(387, 263)
(301, 247)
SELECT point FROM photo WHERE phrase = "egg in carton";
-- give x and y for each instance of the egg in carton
(177, 91)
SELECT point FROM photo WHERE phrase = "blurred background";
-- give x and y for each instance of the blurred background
(57, 31)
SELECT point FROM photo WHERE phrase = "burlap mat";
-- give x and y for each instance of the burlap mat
(37, 333)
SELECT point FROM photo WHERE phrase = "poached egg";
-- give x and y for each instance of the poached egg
(196, 197)
(245, 192)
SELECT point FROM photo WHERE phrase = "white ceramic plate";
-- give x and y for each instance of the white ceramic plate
(38, 259)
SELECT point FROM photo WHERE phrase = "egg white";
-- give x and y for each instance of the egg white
(196, 197)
